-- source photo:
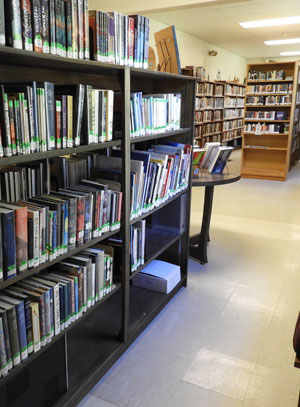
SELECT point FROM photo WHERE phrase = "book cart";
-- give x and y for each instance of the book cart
(64, 370)
(270, 143)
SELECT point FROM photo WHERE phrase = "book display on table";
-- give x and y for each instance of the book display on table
(271, 136)
(93, 159)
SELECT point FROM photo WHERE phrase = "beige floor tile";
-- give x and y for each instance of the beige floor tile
(220, 373)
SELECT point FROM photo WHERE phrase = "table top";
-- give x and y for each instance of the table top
(205, 179)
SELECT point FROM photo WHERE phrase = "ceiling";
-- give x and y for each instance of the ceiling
(217, 22)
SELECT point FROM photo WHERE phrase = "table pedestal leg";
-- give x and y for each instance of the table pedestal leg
(198, 243)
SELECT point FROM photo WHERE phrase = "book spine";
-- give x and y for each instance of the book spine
(37, 25)
(64, 121)
(93, 34)
(22, 330)
(13, 24)
(50, 115)
(26, 121)
(63, 28)
(68, 13)
(86, 29)
(52, 27)
(5, 123)
(79, 113)
(75, 28)
(18, 130)
(12, 127)
(80, 29)
(45, 26)
(7, 340)
(36, 238)
(58, 38)
(70, 121)
(13, 336)
(26, 24)
(9, 244)
(21, 239)
(109, 115)
(72, 224)
(64, 227)
(2, 23)
(58, 123)
(47, 316)
(3, 356)
(28, 324)
(35, 318)
(56, 309)
(146, 41)
(80, 220)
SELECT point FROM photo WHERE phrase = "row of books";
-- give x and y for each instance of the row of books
(261, 128)
(38, 117)
(234, 90)
(209, 103)
(265, 115)
(212, 157)
(205, 89)
(212, 128)
(230, 135)
(119, 39)
(233, 102)
(232, 124)
(269, 100)
(59, 27)
(233, 113)
(266, 75)
(278, 88)
(156, 174)
(67, 28)
(154, 114)
(39, 230)
(36, 309)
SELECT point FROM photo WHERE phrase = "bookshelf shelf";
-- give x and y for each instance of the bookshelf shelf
(265, 134)
(267, 120)
(134, 140)
(264, 148)
(91, 345)
(236, 128)
(41, 267)
(268, 106)
(272, 81)
(16, 370)
(269, 94)
(159, 242)
(20, 159)
(150, 212)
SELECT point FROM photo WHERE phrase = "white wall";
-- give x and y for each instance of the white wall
(194, 51)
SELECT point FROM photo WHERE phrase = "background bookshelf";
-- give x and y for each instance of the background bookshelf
(64, 370)
(219, 112)
(271, 137)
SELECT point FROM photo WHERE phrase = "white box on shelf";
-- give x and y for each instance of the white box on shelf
(158, 276)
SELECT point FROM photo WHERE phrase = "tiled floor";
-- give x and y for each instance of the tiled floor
(225, 340)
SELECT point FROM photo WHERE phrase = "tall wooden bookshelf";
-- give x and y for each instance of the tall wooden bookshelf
(270, 120)
(64, 370)
(219, 112)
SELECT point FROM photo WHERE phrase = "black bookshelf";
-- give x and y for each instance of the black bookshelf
(92, 344)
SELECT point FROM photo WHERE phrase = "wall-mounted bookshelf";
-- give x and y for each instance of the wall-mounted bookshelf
(219, 112)
(271, 133)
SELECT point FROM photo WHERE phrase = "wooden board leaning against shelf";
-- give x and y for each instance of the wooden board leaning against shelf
(81, 353)
(219, 112)
(271, 134)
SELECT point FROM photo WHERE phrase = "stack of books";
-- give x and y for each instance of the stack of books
(212, 157)
(36, 309)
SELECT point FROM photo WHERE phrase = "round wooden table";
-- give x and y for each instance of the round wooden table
(198, 243)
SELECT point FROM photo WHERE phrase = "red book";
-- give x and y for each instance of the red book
(130, 40)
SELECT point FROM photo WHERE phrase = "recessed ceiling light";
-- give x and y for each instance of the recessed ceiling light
(283, 42)
(272, 22)
(286, 54)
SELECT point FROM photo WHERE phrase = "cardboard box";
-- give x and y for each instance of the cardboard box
(158, 276)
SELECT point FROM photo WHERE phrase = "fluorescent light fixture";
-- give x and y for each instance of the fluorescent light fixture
(291, 53)
(283, 42)
(272, 22)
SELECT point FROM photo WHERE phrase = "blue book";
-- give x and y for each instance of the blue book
(8, 243)
(54, 242)
(221, 158)
(20, 313)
